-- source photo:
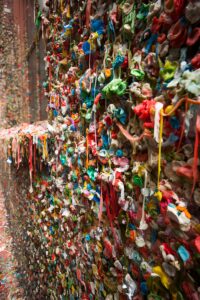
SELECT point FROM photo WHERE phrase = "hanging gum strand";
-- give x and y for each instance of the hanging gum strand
(87, 148)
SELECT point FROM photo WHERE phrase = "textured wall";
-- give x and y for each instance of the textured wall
(21, 64)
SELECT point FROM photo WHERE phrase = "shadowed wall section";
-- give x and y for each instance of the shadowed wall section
(22, 64)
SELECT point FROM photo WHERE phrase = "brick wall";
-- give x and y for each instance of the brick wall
(21, 64)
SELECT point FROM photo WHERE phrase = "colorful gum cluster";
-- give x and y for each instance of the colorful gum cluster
(114, 198)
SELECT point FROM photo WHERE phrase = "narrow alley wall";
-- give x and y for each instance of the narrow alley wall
(112, 209)
(21, 64)
(22, 100)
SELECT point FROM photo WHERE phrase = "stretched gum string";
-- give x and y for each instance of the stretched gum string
(101, 204)
(30, 160)
(87, 148)
(30, 154)
(196, 148)
(88, 73)
(50, 76)
(95, 121)
(128, 135)
(158, 108)
(142, 221)
(34, 158)
(18, 155)
(62, 6)
(68, 11)
(178, 104)
(105, 57)
(45, 152)
(118, 183)
(79, 277)
(95, 129)
(160, 147)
